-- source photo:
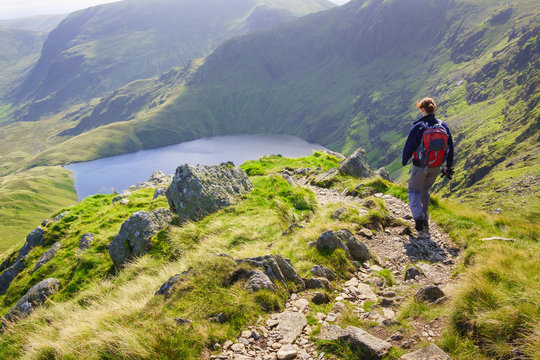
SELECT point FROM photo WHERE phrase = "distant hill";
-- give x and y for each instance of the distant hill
(39, 23)
(96, 50)
(350, 76)
(19, 50)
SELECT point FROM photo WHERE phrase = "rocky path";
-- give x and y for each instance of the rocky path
(374, 294)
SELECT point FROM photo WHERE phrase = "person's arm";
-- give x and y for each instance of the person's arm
(410, 145)
(450, 155)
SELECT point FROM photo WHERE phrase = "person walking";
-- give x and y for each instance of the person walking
(430, 144)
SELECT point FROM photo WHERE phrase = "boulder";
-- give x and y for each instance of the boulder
(412, 273)
(356, 165)
(48, 255)
(10, 273)
(287, 352)
(199, 190)
(36, 296)
(383, 173)
(330, 332)
(86, 240)
(321, 271)
(35, 238)
(430, 293)
(134, 238)
(370, 346)
(343, 239)
(431, 352)
(320, 298)
(318, 283)
(335, 154)
(157, 179)
(290, 325)
(258, 281)
(168, 286)
(275, 267)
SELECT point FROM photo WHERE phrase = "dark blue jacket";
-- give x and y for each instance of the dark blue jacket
(415, 139)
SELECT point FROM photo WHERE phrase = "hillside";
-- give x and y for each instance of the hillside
(99, 49)
(150, 307)
(350, 76)
(39, 23)
(19, 50)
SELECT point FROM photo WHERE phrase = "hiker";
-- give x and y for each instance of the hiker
(430, 144)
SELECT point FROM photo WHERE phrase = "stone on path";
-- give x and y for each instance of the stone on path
(371, 346)
(290, 325)
(318, 283)
(343, 239)
(287, 352)
(430, 293)
(199, 190)
(275, 267)
(134, 237)
(431, 352)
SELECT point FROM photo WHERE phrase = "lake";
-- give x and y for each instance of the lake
(118, 173)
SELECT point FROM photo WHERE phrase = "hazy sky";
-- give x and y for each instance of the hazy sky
(10, 9)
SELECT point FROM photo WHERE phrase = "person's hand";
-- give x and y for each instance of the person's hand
(448, 172)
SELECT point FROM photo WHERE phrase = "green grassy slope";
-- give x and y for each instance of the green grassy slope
(27, 197)
(114, 314)
(99, 49)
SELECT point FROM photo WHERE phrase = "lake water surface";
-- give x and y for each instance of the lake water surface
(118, 173)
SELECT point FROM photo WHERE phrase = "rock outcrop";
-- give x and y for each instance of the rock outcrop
(343, 239)
(85, 241)
(35, 238)
(48, 255)
(158, 179)
(168, 286)
(36, 296)
(275, 267)
(356, 165)
(134, 238)
(7, 277)
(383, 173)
(258, 280)
(321, 271)
(199, 190)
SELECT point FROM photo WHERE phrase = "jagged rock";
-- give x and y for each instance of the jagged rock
(45, 222)
(287, 352)
(343, 239)
(290, 325)
(275, 267)
(356, 165)
(121, 196)
(371, 346)
(36, 296)
(321, 271)
(330, 332)
(288, 177)
(157, 179)
(48, 255)
(320, 298)
(86, 240)
(430, 293)
(431, 352)
(326, 179)
(135, 234)
(291, 228)
(302, 171)
(198, 190)
(10, 273)
(365, 233)
(61, 216)
(335, 154)
(35, 238)
(383, 173)
(411, 273)
(258, 281)
(168, 286)
(160, 192)
(318, 283)
(365, 293)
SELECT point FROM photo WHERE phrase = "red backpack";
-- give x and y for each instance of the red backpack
(434, 146)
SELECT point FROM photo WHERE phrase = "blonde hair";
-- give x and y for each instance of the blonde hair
(428, 104)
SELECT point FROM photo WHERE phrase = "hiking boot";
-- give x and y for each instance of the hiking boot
(419, 224)
(426, 225)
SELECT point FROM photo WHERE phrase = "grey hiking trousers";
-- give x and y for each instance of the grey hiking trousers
(420, 184)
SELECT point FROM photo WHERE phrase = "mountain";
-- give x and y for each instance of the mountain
(39, 23)
(99, 49)
(19, 50)
(350, 76)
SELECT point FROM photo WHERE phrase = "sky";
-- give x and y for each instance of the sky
(11, 9)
